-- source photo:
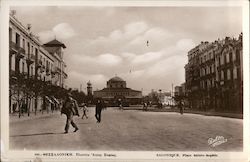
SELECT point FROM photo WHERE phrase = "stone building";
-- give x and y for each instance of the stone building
(192, 75)
(229, 78)
(218, 85)
(31, 67)
(117, 89)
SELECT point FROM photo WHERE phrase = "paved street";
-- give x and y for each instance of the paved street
(128, 130)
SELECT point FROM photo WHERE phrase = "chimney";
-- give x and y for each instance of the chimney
(28, 27)
(13, 13)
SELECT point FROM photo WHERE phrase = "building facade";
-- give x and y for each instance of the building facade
(229, 76)
(32, 69)
(218, 85)
(117, 89)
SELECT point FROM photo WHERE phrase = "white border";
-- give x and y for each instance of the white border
(29, 155)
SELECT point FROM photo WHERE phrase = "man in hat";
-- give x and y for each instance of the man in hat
(70, 109)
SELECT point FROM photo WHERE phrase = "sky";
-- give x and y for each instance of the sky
(103, 42)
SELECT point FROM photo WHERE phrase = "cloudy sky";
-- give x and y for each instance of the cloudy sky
(106, 41)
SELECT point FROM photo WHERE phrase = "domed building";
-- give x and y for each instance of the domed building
(117, 89)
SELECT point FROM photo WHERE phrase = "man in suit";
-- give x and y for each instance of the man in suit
(70, 109)
(98, 110)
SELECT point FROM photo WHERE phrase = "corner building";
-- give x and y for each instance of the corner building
(32, 67)
(214, 76)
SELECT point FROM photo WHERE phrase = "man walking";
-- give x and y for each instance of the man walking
(70, 109)
(98, 110)
(181, 107)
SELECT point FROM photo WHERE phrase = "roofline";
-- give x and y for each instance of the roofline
(24, 30)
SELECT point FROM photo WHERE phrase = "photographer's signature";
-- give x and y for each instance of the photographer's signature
(218, 140)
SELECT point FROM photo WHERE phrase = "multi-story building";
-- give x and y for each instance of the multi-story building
(192, 75)
(229, 76)
(56, 49)
(31, 66)
(207, 76)
(218, 85)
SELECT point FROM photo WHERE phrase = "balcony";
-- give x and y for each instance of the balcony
(65, 74)
(39, 63)
(58, 70)
(47, 71)
(42, 68)
(31, 59)
(53, 73)
(16, 49)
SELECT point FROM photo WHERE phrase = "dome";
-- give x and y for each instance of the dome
(116, 79)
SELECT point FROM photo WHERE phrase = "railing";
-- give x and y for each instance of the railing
(65, 74)
(16, 48)
(58, 70)
(31, 59)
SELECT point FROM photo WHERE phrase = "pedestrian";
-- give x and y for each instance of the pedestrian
(84, 109)
(181, 107)
(98, 110)
(145, 106)
(70, 109)
(120, 104)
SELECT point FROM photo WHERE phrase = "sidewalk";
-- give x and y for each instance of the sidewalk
(208, 113)
(15, 118)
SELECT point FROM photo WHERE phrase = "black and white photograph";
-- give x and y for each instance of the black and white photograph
(129, 78)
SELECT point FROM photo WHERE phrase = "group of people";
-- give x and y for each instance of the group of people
(70, 108)
(145, 105)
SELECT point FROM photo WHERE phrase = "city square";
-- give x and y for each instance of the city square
(127, 130)
(145, 81)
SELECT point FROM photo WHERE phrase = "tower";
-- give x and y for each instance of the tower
(89, 88)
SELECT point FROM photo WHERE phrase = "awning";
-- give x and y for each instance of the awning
(48, 99)
(55, 100)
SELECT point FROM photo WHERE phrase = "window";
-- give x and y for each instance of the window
(22, 67)
(28, 48)
(208, 83)
(18, 39)
(228, 74)
(235, 73)
(222, 75)
(10, 34)
(23, 44)
(221, 60)
(208, 70)
(227, 58)
(31, 70)
(47, 64)
(234, 56)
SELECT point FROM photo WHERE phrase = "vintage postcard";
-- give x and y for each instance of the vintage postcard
(124, 81)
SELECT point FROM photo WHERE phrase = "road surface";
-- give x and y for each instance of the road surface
(128, 130)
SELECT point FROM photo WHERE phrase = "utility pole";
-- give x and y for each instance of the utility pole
(172, 94)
